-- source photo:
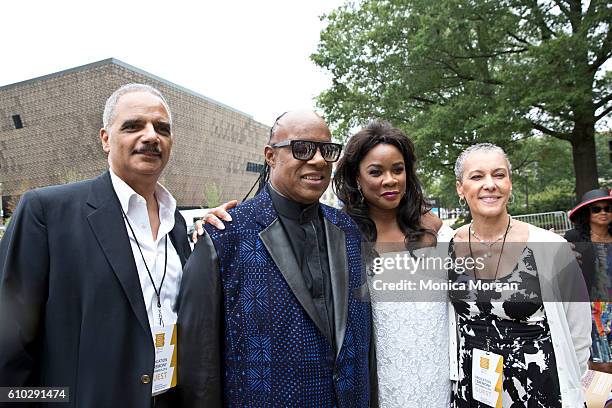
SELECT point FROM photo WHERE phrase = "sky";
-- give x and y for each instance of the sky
(250, 55)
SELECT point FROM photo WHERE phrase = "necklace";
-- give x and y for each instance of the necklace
(500, 253)
(489, 244)
(605, 236)
(600, 238)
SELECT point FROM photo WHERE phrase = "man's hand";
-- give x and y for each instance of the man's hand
(214, 217)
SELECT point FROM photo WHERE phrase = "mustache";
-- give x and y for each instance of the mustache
(148, 149)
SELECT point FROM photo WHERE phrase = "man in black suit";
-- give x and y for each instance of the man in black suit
(90, 271)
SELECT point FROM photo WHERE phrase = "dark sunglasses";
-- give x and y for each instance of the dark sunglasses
(597, 209)
(306, 149)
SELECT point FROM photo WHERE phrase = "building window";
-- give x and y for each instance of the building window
(254, 167)
(17, 121)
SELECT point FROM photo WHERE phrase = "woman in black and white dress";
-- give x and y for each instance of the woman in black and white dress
(534, 330)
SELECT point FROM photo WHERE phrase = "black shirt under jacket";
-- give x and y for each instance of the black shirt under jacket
(303, 224)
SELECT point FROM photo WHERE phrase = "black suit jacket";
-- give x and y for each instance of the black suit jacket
(72, 312)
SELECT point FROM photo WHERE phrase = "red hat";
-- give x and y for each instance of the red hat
(590, 197)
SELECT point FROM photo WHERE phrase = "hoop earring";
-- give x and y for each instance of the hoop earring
(361, 197)
(463, 203)
(512, 199)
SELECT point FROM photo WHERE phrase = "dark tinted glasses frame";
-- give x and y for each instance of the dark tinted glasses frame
(597, 209)
(306, 149)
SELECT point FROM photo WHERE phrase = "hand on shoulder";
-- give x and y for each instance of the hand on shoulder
(214, 217)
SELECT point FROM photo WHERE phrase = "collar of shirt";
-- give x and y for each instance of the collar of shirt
(149, 255)
(135, 206)
(302, 213)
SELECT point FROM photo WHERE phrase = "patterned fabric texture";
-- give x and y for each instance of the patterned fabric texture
(601, 307)
(274, 354)
(514, 325)
(411, 337)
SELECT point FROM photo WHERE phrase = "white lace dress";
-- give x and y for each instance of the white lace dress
(411, 339)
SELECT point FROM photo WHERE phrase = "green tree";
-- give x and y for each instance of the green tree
(455, 72)
(603, 142)
(542, 165)
(212, 195)
(70, 175)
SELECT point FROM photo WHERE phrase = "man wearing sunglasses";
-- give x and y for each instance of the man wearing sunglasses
(267, 314)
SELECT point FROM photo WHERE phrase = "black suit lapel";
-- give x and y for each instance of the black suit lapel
(277, 244)
(108, 226)
(338, 269)
(178, 236)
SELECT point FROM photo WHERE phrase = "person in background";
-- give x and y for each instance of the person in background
(592, 235)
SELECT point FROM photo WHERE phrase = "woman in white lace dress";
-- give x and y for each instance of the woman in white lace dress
(376, 180)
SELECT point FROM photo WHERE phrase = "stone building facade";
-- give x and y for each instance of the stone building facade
(49, 129)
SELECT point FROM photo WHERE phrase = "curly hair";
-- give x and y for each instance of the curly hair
(412, 205)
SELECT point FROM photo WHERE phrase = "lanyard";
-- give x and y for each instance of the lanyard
(501, 252)
(161, 284)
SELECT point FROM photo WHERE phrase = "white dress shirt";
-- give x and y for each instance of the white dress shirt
(135, 207)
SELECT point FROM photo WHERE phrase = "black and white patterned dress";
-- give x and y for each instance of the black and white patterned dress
(511, 324)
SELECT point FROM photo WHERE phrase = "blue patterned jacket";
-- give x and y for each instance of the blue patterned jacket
(243, 284)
